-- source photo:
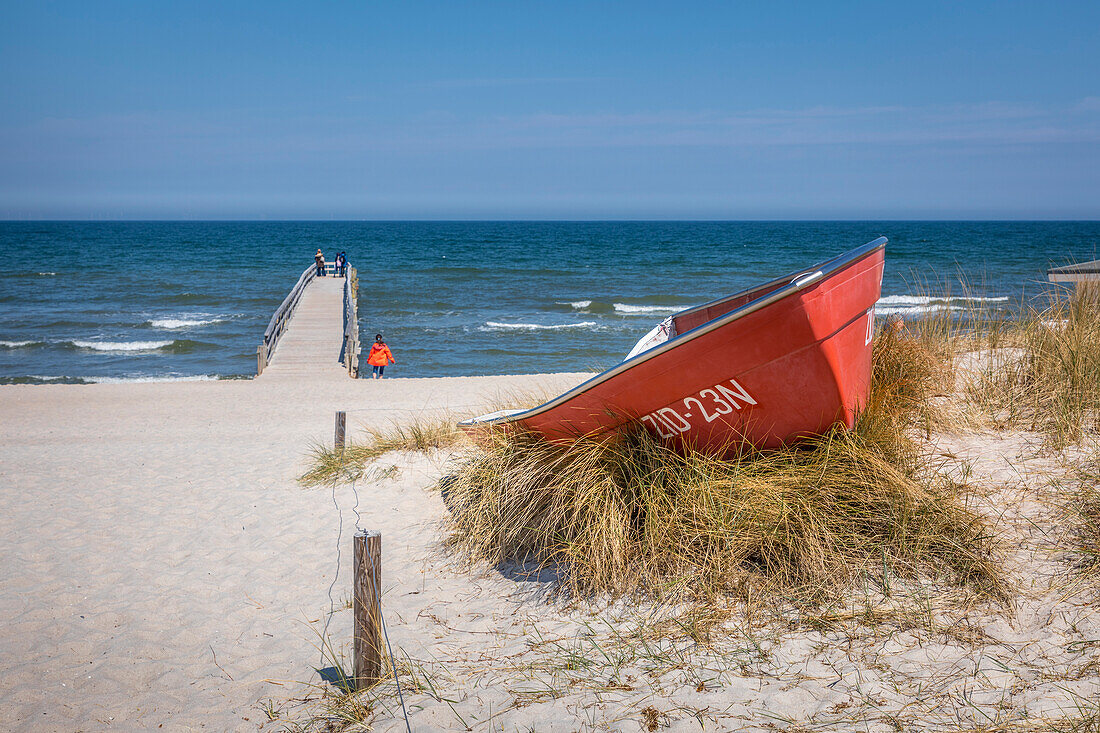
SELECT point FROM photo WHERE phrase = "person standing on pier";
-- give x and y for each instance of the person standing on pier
(319, 259)
(380, 355)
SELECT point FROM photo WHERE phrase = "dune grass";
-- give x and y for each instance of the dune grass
(1047, 377)
(1088, 509)
(626, 514)
(330, 465)
(912, 373)
(421, 434)
(1084, 517)
(329, 707)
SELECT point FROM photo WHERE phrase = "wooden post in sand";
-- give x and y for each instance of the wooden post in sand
(341, 426)
(367, 608)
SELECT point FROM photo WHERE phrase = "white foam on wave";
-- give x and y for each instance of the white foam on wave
(46, 274)
(496, 326)
(921, 304)
(627, 308)
(580, 304)
(917, 300)
(17, 344)
(905, 300)
(121, 345)
(889, 310)
(150, 380)
(173, 323)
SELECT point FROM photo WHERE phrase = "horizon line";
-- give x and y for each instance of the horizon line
(929, 220)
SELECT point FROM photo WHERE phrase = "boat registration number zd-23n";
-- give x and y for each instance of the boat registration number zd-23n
(710, 404)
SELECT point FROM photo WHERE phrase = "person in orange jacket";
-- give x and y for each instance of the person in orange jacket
(380, 356)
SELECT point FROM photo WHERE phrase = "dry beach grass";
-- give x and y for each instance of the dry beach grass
(1048, 380)
(628, 515)
(349, 464)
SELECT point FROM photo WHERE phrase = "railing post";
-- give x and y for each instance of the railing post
(261, 359)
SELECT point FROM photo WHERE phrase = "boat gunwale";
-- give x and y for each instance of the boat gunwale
(799, 280)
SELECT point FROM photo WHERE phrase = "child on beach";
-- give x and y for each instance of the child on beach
(379, 356)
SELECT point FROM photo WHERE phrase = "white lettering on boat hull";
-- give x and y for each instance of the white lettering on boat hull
(710, 403)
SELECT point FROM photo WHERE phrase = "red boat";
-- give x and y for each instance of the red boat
(786, 359)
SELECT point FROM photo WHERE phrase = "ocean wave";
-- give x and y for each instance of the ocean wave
(916, 300)
(917, 305)
(18, 344)
(174, 323)
(151, 379)
(187, 298)
(630, 309)
(39, 379)
(627, 308)
(496, 326)
(122, 345)
(28, 274)
(35, 379)
(889, 310)
(584, 306)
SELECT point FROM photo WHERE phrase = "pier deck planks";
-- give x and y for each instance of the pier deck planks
(314, 338)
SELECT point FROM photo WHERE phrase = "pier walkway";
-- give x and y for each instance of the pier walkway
(315, 332)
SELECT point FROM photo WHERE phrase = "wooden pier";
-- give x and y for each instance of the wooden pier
(315, 331)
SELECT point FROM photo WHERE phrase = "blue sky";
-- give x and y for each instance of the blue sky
(519, 110)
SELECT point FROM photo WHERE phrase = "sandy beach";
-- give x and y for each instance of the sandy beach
(163, 570)
(160, 560)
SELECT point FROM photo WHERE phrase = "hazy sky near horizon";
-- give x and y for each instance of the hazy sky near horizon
(574, 110)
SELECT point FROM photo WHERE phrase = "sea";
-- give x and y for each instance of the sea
(88, 302)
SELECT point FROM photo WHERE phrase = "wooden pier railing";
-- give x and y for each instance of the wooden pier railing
(351, 322)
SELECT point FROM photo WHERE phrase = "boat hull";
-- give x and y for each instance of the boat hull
(789, 364)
